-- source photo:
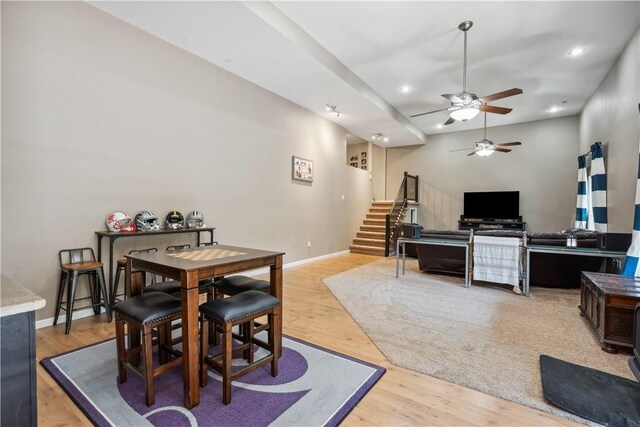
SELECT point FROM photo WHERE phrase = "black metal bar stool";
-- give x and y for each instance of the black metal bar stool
(122, 265)
(225, 313)
(147, 311)
(73, 264)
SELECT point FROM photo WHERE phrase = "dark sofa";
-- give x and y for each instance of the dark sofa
(547, 270)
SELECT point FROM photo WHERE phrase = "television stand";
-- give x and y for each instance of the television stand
(491, 224)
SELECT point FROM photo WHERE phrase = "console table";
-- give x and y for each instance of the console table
(608, 302)
(563, 250)
(114, 236)
(430, 241)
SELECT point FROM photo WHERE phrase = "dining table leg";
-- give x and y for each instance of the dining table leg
(133, 287)
(190, 375)
(276, 291)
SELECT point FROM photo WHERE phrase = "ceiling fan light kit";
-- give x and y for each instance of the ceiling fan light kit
(465, 113)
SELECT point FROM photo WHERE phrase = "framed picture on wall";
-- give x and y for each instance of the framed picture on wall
(363, 155)
(301, 169)
(354, 164)
(354, 158)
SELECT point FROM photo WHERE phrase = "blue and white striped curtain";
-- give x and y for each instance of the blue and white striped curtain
(631, 266)
(582, 208)
(598, 189)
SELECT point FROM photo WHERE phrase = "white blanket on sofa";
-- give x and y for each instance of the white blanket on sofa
(497, 259)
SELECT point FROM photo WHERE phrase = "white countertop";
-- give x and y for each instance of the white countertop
(16, 299)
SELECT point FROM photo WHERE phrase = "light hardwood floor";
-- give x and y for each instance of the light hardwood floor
(312, 313)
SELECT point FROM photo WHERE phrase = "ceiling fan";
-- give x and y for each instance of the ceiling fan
(467, 105)
(485, 148)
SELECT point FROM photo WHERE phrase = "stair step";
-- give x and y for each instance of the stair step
(370, 235)
(374, 222)
(381, 204)
(369, 242)
(376, 215)
(376, 228)
(368, 250)
(378, 209)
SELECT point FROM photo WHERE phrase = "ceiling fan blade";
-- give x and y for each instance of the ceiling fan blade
(471, 154)
(448, 122)
(462, 149)
(508, 144)
(493, 109)
(502, 150)
(452, 98)
(429, 112)
(500, 95)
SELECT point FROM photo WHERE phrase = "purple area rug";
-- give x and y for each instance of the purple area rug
(315, 387)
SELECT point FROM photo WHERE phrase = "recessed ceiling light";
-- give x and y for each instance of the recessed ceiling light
(439, 126)
(405, 89)
(385, 139)
(576, 51)
(554, 109)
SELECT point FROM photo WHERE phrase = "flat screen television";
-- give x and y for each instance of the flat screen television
(492, 204)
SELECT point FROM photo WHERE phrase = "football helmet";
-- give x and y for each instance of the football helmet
(195, 219)
(120, 221)
(147, 221)
(174, 221)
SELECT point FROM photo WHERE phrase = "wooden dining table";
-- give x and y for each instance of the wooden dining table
(190, 266)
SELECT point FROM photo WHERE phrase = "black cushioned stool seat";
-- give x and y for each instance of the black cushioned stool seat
(233, 285)
(241, 309)
(145, 312)
(173, 287)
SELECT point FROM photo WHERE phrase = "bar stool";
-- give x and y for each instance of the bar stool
(234, 285)
(147, 311)
(73, 264)
(122, 266)
(225, 313)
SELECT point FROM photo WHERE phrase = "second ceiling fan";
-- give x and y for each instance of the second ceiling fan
(467, 105)
(485, 147)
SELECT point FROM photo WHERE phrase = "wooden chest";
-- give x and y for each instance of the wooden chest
(608, 302)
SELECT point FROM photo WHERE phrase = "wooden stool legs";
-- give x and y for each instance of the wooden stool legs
(223, 361)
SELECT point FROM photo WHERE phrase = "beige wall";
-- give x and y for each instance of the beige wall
(99, 116)
(611, 116)
(543, 169)
(378, 172)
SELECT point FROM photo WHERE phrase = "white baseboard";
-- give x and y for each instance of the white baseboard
(63, 318)
(89, 311)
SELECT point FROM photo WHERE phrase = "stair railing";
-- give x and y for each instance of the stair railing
(393, 220)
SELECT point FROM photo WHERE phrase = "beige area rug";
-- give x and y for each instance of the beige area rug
(486, 337)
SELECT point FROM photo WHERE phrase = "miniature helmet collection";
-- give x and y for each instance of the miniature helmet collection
(195, 219)
(118, 222)
(174, 221)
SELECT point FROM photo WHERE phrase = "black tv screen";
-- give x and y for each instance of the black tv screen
(492, 204)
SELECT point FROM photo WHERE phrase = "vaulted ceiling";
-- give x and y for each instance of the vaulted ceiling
(358, 55)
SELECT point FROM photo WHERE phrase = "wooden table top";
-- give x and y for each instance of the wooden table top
(203, 257)
(615, 283)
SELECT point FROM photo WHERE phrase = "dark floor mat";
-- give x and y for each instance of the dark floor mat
(591, 394)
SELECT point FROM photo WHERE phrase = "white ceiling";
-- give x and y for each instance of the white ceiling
(357, 55)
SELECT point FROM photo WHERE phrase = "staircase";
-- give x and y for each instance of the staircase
(370, 240)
